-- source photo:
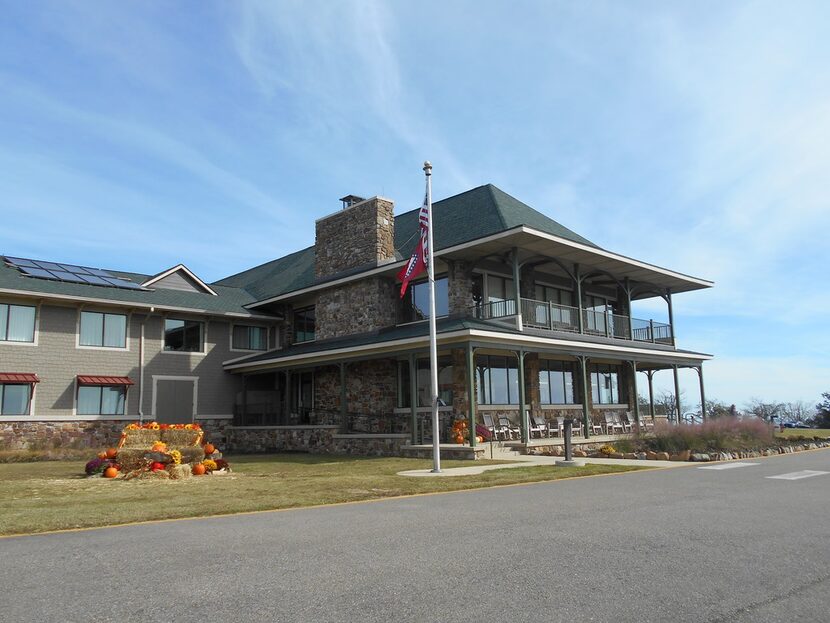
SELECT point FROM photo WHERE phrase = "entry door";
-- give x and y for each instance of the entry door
(174, 401)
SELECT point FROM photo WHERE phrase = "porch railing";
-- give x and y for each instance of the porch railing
(555, 317)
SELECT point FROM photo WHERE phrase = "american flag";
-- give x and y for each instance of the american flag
(418, 262)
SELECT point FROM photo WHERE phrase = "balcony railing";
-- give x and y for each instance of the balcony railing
(554, 317)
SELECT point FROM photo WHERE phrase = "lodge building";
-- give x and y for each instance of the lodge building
(316, 351)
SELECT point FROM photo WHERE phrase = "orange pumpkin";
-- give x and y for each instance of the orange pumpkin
(209, 449)
(199, 469)
(110, 472)
(102, 455)
(111, 453)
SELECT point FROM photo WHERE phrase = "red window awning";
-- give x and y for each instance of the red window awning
(18, 377)
(104, 380)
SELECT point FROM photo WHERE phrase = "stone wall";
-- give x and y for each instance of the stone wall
(361, 235)
(359, 307)
(371, 387)
(94, 434)
(459, 287)
(314, 440)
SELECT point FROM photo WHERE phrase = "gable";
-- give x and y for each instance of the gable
(179, 278)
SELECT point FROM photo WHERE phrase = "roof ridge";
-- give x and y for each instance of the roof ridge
(247, 270)
(490, 189)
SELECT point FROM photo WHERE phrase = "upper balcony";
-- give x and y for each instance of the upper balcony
(547, 316)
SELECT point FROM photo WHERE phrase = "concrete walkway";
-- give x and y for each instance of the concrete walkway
(531, 461)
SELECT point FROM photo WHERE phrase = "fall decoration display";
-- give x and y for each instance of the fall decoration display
(111, 453)
(209, 449)
(459, 431)
(102, 455)
(110, 472)
(199, 469)
(159, 446)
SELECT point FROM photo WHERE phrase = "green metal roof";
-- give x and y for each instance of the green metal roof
(228, 299)
(471, 215)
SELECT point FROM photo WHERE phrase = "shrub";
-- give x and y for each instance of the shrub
(722, 434)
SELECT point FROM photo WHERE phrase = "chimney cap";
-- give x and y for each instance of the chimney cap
(350, 200)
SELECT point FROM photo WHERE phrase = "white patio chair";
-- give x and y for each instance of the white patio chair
(495, 429)
(539, 425)
(612, 427)
(510, 427)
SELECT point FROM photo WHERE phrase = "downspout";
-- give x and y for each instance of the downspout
(141, 367)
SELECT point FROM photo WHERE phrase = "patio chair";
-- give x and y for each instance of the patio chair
(510, 427)
(495, 429)
(612, 427)
(624, 421)
(539, 425)
(596, 427)
(645, 424)
(557, 427)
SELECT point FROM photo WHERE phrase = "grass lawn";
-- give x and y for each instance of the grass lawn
(56, 495)
(804, 432)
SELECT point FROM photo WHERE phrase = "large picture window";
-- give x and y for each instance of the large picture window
(605, 384)
(304, 324)
(15, 399)
(498, 380)
(185, 336)
(247, 337)
(17, 323)
(556, 382)
(106, 330)
(424, 384)
(101, 399)
(415, 303)
(596, 309)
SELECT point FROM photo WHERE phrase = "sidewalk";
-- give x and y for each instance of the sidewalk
(530, 461)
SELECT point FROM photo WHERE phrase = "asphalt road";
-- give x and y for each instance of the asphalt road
(684, 544)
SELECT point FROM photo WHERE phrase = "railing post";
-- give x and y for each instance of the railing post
(550, 315)
(516, 290)
(608, 318)
(651, 330)
(471, 392)
(671, 315)
(578, 280)
(628, 303)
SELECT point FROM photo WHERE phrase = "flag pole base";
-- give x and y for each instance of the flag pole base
(435, 471)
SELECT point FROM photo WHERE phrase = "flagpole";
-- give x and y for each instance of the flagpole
(433, 341)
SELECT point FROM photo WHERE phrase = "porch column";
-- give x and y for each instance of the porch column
(627, 289)
(516, 289)
(676, 393)
(413, 398)
(344, 424)
(471, 392)
(636, 394)
(287, 414)
(578, 280)
(523, 421)
(671, 316)
(702, 393)
(586, 417)
(650, 374)
(244, 413)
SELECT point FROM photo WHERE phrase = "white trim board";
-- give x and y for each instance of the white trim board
(186, 271)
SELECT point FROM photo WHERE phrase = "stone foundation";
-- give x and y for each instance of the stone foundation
(95, 434)
(314, 440)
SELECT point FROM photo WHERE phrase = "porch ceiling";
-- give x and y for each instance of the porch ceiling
(533, 243)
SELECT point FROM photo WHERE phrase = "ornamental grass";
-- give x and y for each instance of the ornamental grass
(718, 435)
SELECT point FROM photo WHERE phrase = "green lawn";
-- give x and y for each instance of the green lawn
(804, 432)
(56, 495)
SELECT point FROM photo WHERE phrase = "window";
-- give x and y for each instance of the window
(17, 323)
(183, 336)
(556, 382)
(424, 384)
(415, 304)
(549, 294)
(501, 295)
(108, 330)
(605, 384)
(498, 380)
(596, 310)
(15, 399)
(249, 338)
(304, 320)
(101, 399)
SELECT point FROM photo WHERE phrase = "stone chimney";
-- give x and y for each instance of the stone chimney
(361, 235)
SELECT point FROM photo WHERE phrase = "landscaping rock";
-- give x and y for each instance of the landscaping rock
(651, 456)
(629, 455)
(616, 455)
(580, 453)
(642, 456)
(662, 456)
(700, 456)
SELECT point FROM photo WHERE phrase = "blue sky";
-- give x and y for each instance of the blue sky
(695, 136)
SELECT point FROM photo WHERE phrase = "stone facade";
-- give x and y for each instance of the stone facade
(371, 387)
(459, 287)
(313, 439)
(94, 434)
(360, 307)
(359, 236)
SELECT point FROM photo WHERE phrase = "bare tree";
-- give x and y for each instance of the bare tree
(665, 403)
(798, 411)
(716, 408)
(767, 411)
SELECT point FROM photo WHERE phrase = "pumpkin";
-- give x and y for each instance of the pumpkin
(102, 455)
(156, 466)
(209, 449)
(199, 469)
(159, 447)
(110, 472)
(111, 453)
(479, 439)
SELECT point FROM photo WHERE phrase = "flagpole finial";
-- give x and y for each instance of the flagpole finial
(427, 167)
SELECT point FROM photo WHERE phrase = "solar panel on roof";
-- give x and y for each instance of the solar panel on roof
(70, 273)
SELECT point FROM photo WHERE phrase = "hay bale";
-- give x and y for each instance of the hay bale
(140, 438)
(180, 438)
(179, 472)
(131, 458)
(192, 454)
